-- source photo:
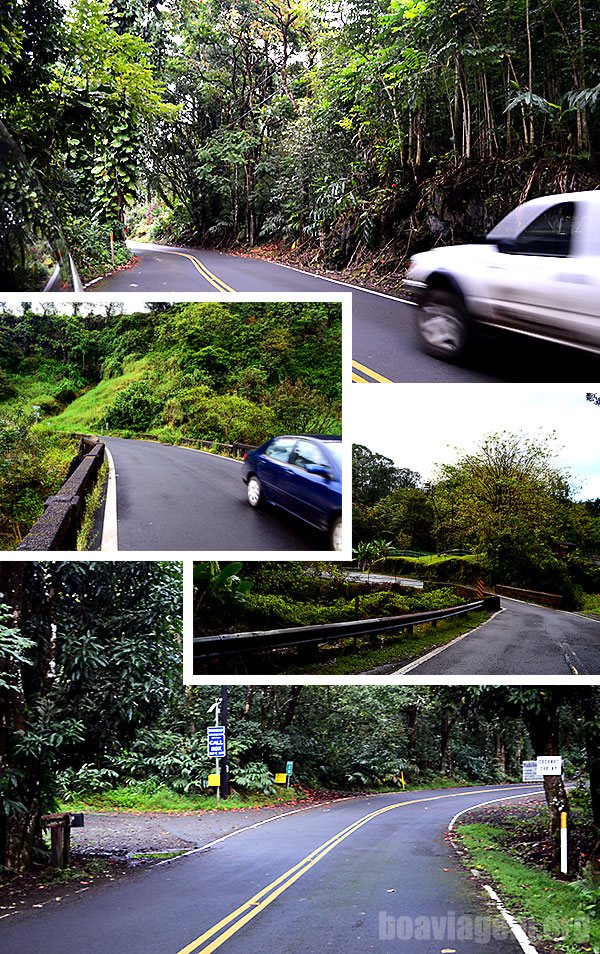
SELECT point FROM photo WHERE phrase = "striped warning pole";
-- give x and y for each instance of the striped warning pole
(480, 589)
(564, 863)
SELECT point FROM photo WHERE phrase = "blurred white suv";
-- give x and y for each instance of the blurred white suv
(538, 274)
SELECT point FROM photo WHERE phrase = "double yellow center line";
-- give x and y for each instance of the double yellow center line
(216, 935)
(210, 277)
(363, 375)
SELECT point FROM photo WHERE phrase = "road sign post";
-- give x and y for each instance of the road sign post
(215, 742)
(289, 770)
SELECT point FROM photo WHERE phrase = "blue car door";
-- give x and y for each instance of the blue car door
(274, 467)
(309, 494)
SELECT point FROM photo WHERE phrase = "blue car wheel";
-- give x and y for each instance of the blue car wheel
(254, 489)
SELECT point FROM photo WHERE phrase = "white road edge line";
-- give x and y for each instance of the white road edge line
(513, 599)
(491, 801)
(440, 649)
(110, 535)
(524, 942)
(520, 935)
(238, 831)
(48, 287)
(337, 281)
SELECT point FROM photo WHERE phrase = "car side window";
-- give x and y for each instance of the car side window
(280, 449)
(308, 453)
(550, 233)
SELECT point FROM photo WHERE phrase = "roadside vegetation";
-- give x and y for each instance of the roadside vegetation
(504, 514)
(512, 847)
(33, 465)
(367, 135)
(236, 373)
(263, 595)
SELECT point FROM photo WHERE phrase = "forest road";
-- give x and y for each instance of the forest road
(524, 639)
(176, 498)
(367, 874)
(384, 340)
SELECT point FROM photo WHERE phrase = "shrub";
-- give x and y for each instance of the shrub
(135, 407)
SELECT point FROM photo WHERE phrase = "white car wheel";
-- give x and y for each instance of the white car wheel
(336, 534)
(442, 325)
(254, 491)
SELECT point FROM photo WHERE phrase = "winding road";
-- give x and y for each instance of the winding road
(522, 639)
(384, 345)
(176, 498)
(361, 874)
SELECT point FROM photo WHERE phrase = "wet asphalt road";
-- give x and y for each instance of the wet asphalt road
(175, 498)
(278, 887)
(523, 640)
(384, 344)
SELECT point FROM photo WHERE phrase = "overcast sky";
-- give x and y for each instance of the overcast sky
(420, 425)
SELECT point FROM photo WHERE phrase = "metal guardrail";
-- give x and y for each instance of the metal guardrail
(229, 450)
(57, 528)
(211, 647)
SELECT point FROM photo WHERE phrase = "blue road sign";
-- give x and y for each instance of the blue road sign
(215, 741)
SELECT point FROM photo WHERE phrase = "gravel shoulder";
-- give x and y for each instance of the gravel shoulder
(117, 834)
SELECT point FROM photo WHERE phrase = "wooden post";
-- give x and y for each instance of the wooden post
(60, 838)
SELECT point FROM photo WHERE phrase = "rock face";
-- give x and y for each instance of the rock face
(457, 204)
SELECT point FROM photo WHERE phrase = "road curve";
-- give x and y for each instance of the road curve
(353, 876)
(175, 498)
(384, 346)
(523, 639)
(384, 343)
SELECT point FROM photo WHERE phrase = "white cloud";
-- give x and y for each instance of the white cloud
(420, 425)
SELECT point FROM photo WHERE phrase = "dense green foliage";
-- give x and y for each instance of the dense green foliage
(506, 503)
(265, 595)
(88, 708)
(236, 372)
(33, 465)
(380, 125)
(89, 656)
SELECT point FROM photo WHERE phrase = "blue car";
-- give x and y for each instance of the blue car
(301, 474)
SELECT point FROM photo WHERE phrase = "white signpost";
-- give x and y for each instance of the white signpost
(549, 764)
(530, 772)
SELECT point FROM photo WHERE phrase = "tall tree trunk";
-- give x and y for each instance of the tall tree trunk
(530, 127)
(544, 730)
(412, 716)
(446, 728)
(591, 712)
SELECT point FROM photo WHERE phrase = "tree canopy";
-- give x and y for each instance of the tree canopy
(379, 128)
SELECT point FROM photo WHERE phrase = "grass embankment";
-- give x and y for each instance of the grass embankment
(137, 798)
(89, 411)
(556, 911)
(591, 604)
(398, 650)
